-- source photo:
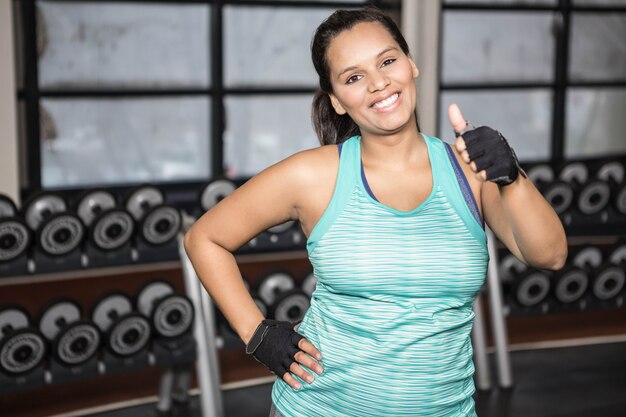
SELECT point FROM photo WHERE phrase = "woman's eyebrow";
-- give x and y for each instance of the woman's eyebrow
(383, 52)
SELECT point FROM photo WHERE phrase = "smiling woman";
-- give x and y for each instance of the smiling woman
(395, 225)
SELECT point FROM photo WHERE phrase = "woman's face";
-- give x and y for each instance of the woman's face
(372, 79)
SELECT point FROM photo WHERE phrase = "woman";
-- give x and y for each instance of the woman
(394, 220)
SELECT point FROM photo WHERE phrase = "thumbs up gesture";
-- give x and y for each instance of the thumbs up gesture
(486, 151)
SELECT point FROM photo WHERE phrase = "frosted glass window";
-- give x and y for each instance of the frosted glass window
(497, 47)
(599, 2)
(262, 130)
(523, 117)
(506, 2)
(598, 46)
(595, 122)
(123, 45)
(113, 141)
(270, 46)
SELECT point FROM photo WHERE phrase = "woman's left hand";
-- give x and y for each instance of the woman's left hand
(485, 150)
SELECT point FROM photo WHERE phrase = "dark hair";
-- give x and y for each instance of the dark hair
(331, 127)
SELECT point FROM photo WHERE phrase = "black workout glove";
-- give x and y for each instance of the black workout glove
(490, 151)
(275, 344)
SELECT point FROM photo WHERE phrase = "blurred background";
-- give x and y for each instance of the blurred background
(123, 121)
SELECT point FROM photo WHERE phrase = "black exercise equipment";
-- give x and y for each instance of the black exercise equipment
(15, 240)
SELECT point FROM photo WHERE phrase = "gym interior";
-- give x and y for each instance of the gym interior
(172, 105)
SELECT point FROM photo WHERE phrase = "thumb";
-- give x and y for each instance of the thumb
(456, 118)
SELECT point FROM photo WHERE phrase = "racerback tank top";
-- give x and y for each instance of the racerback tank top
(392, 309)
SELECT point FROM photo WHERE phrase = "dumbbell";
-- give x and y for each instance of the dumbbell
(126, 332)
(572, 281)
(272, 284)
(290, 305)
(591, 195)
(558, 193)
(158, 222)
(110, 227)
(171, 314)
(612, 173)
(58, 232)
(214, 192)
(74, 341)
(15, 237)
(22, 347)
(527, 288)
(309, 284)
(607, 283)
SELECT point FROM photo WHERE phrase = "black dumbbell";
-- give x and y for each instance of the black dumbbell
(74, 341)
(609, 279)
(272, 284)
(526, 288)
(290, 305)
(591, 195)
(214, 192)
(22, 347)
(572, 281)
(171, 314)
(109, 227)
(126, 331)
(58, 231)
(558, 193)
(158, 222)
(612, 173)
(15, 236)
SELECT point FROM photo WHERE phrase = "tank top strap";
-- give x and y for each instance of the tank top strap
(344, 187)
(451, 179)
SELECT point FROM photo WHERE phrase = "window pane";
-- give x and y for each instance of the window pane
(497, 47)
(595, 122)
(270, 46)
(523, 117)
(501, 2)
(262, 130)
(109, 141)
(123, 45)
(599, 2)
(598, 50)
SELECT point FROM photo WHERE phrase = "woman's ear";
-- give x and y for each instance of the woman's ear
(336, 105)
(414, 69)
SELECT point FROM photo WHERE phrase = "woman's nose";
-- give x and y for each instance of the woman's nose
(378, 81)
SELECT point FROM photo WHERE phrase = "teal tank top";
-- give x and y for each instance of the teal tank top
(392, 310)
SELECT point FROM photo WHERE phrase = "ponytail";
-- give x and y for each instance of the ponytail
(330, 127)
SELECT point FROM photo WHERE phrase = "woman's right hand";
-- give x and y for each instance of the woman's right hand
(281, 349)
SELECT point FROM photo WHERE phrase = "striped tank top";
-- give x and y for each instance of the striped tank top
(392, 310)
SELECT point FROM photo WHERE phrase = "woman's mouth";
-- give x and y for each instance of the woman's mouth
(387, 104)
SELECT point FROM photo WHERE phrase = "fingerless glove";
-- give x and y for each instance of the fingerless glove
(275, 344)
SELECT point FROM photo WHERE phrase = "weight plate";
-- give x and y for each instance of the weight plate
(613, 170)
(273, 284)
(12, 318)
(560, 196)
(173, 316)
(590, 255)
(61, 234)
(15, 238)
(291, 306)
(161, 224)
(150, 294)
(618, 256)
(282, 227)
(57, 316)
(620, 200)
(112, 230)
(259, 303)
(41, 207)
(571, 285)
(542, 173)
(509, 267)
(574, 170)
(22, 351)
(129, 335)
(609, 282)
(532, 288)
(594, 197)
(77, 343)
(140, 200)
(7, 207)
(309, 284)
(109, 309)
(215, 192)
(94, 203)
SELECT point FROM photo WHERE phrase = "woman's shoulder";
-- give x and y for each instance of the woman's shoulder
(314, 162)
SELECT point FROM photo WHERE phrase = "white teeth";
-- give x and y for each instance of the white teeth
(386, 102)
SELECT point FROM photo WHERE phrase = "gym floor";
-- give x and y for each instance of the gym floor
(580, 381)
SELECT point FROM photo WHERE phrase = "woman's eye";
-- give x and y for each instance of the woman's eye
(388, 61)
(353, 79)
